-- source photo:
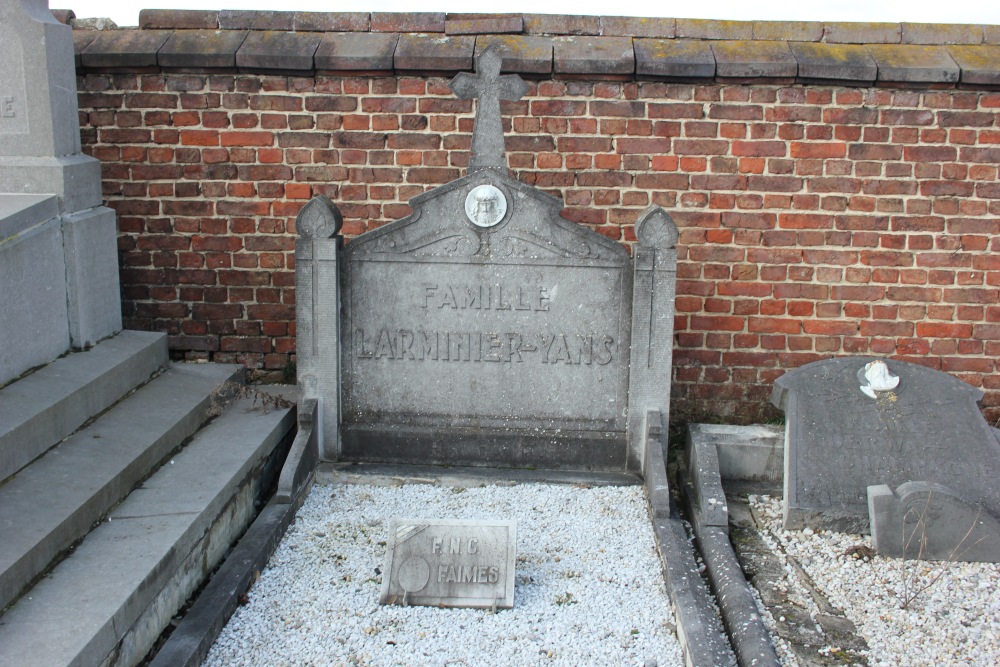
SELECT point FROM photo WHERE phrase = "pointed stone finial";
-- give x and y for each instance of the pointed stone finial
(656, 229)
(489, 87)
(319, 219)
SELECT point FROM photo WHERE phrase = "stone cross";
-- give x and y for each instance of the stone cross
(489, 87)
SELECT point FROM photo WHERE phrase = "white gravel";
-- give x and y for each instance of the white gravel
(589, 589)
(951, 614)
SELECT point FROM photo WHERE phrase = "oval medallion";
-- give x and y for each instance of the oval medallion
(485, 206)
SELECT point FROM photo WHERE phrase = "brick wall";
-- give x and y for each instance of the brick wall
(815, 220)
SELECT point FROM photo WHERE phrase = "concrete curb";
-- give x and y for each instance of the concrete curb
(699, 630)
(706, 506)
(191, 640)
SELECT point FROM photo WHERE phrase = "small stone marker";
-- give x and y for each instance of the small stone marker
(931, 522)
(446, 563)
(852, 423)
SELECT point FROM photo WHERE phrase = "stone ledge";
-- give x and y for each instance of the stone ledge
(833, 32)
(889, 54)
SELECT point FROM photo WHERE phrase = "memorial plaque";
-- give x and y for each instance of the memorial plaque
(852, 423)
(450, 563)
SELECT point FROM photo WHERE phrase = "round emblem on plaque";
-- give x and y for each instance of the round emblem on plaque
(485, 206)
(414, 573)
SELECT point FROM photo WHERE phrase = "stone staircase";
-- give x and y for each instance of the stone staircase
(124, 480)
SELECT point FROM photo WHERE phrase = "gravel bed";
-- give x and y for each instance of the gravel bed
(589, 589)
(911, 613)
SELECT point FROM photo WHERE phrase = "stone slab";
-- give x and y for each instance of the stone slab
(433, 53)
(628, 26)
(839, 440)
(909, 63)
(834, 62)
(54, 501)
(486, 25)
(34, 327)
(594, 56)
(201, 49)
(92, 292)
(747, 454)
(382, 474)
(942, 33)
(178, 19)
(124, 49)
(75, 179)
(332, 21)
(980, 65)
(450, 563)
(753, 60)
(407, 22)
(271, 50)
(90, 601)
(356, 52)
(714, 29)
(256, 20)
(39, 410)
(552, 24)
(926, 521)
(674, 59)
(843, 32)
(524, 54)
(791, 31)
(19, 212)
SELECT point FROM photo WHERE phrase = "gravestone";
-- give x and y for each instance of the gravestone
(854, 423)
(444, 563)
(58, 248)
(485, 329)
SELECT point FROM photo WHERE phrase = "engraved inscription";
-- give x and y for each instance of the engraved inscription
(486, 297)
(450, 563)
(508, 347)
(13, 92)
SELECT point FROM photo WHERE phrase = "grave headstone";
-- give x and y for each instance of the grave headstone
(485, 329)
(444, 563)
(853, 423)
(58, 248)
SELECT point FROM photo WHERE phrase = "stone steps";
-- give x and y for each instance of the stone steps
(42, 408)
(107, 601)
(54, 501)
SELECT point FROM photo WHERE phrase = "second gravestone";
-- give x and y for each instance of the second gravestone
(895, 449)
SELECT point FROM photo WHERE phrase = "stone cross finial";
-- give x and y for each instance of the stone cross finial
(489, 87)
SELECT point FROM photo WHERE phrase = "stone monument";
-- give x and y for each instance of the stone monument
(485, 329)
(883, 446)
(58, 249)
